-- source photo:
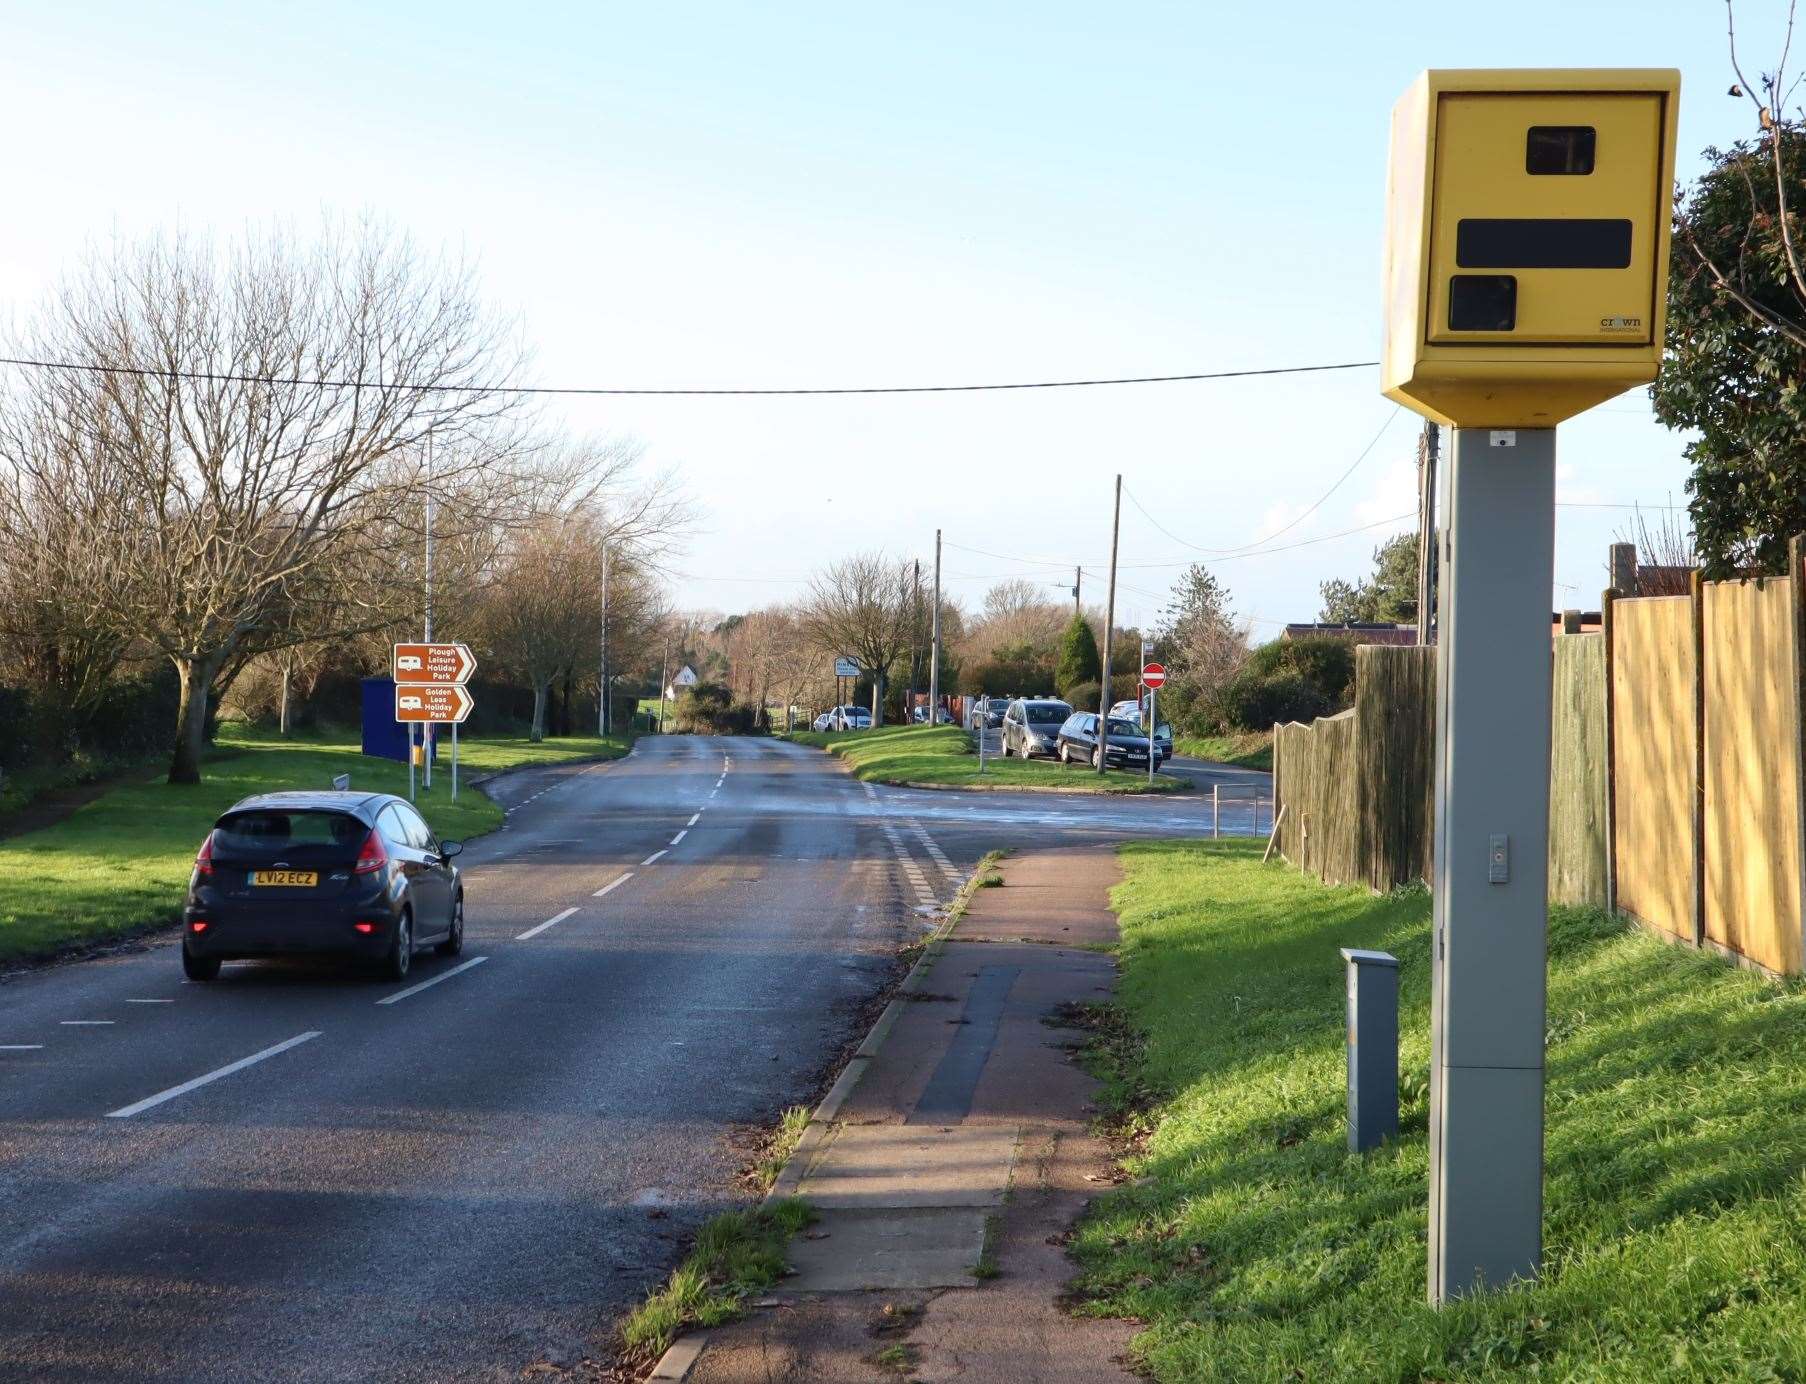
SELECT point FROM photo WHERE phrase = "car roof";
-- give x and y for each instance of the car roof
(316, 800)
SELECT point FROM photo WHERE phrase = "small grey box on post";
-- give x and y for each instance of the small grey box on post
(1372, 1048)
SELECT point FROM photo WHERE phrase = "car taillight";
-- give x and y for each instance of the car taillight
(198, 925)
(372, 855)
(203, 861)
(365, 928)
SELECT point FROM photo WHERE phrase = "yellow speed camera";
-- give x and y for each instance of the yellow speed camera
(1527, 241)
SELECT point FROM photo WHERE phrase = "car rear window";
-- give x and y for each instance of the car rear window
(1124, 728)
(1043, 713)
(267, 834)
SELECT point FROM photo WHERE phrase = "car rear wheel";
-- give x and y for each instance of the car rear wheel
(1097, 757)
(454, 940)
(1064, 757)
(401, 950)
(202, 968)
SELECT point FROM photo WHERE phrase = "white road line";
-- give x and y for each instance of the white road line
(680, 836)
(654, 856)
(34, 1047)
(612, 884)
(535, 931)
(694, 820)
(86, 1023)
(429, 984)
(139, 1107)
(150, 1001)
(714, 791)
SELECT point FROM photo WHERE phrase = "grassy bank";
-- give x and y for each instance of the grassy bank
(1259, 1248)
(120, 862)
(1246, 749)
(943, 757)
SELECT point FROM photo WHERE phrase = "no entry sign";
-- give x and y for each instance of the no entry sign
(1153, 675)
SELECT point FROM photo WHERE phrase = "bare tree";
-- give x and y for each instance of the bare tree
(862, 606)
(242, 425)
(543, 605)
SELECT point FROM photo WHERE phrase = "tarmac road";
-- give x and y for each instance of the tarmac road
(299, 1173)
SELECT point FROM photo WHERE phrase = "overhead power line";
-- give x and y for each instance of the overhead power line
(209, 377)
(1284, 528)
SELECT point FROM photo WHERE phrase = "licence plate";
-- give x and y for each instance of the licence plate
(289, 878)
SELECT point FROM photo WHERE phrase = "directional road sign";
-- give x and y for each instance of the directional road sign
(846, 667)
(1153, 675)
(432, 702)
(443, 664)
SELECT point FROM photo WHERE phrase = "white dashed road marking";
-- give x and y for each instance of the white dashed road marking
(139, 1107)
(654, 856)
(680, 836)
(694, 820)
(86, 1023)
(549, 922)
(27, 1047)
(612, 885)
(429, 984)
(150, 1001)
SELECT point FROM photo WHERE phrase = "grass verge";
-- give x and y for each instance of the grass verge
(1255, 1246)
(735, 1254)
(776, 1150)
(943, 757)
(1246, 749)
(119, 863)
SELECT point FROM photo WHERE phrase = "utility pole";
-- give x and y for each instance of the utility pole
(602, 679)
(934, 647)
(426, 731)
(915, 646)
(1426, 530)
(1078, 581)
(1103, 696)
(664, 671)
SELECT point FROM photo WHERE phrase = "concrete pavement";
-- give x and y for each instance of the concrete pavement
(950, 1175)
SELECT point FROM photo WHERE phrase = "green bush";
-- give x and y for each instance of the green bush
(1285, 680)
(708, 709)
(1080, 661)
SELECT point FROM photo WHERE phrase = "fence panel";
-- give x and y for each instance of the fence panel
(1752, 811)
(1654, 744)
(1294, 760)
(1335, 822)
(1577, 777)
(1395, 745)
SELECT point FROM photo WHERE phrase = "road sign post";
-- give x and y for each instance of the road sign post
(1526, 281)
(1153, 677)
(429, 691)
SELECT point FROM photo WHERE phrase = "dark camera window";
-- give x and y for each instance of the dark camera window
(1483, 303)
(1559, 149)
(1558, 242)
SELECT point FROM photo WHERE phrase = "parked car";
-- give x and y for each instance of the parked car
(825, 721)
(851, 718)
(987, 713)
(357, 875)
(942, 717)
(1031, 725)
(1125, 744)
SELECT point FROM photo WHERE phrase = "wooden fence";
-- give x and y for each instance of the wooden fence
(1578, 772)
(1357, 787)
(1677, 770)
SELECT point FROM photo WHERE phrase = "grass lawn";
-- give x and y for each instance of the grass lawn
(1259, 1248)
(120, 862)
(1246, 749)
(943, 756)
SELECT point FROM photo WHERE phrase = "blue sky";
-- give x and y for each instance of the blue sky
(734, 195)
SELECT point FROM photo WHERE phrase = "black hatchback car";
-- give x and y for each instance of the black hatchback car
(358, 875)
